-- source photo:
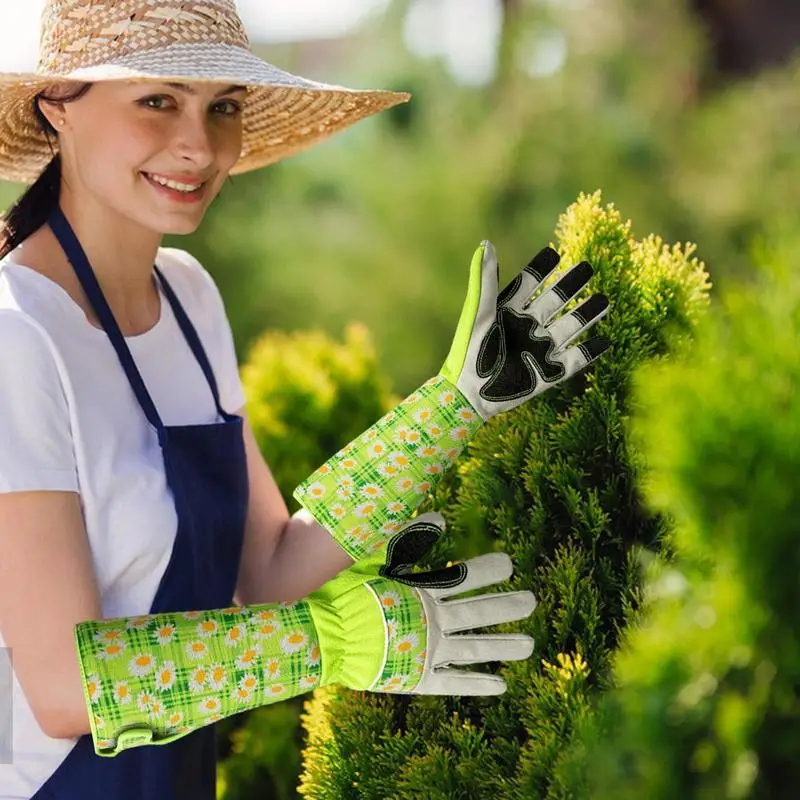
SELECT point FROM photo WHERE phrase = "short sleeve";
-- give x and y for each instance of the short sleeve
(222, 349)
(36, 446)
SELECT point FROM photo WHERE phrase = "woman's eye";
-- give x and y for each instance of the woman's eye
(228, 108)
(157, 102)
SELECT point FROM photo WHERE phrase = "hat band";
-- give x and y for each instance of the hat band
(96, 33)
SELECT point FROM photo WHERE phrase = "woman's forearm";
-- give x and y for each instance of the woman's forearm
(305, 557)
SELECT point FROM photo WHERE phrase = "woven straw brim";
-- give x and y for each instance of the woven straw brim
(283, 114)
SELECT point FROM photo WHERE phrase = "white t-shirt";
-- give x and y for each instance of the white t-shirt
(69, 421)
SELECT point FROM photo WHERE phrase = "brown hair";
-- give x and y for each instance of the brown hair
(34, 207)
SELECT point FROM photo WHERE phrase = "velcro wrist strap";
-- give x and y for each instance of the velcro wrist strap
(364, 493)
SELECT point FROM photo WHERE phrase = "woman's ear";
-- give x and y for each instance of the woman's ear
(53, 111)
(53, 100)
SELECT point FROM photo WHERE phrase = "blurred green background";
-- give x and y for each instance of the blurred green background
(683, 112)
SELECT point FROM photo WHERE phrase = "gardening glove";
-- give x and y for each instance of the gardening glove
(155, 678)
(508, 348)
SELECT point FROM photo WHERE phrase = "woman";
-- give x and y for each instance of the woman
(130, 481)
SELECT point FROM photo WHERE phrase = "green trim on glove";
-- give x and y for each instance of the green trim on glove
(349, 659)
(456, 358)
(155, 678)
(388, 618)
(364, 493)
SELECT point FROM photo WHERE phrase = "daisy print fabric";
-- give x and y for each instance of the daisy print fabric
(406, 635)
(365, 492)
(174, 673)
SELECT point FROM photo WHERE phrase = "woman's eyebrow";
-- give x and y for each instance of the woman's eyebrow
(185, 87)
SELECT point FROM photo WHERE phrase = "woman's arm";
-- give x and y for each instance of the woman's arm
(283, 558)
(47, 578)
(47, 585)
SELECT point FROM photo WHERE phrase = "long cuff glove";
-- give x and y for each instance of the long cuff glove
(155, 678)
(508, 348)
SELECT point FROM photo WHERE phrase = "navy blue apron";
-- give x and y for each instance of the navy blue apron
(206, 471)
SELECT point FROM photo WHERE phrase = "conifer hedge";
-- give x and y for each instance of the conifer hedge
(555, 484)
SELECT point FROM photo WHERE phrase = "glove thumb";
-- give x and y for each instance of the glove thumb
(479, 309)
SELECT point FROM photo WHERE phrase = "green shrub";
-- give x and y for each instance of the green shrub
(308, 396)
(554, 484)
(707, 703)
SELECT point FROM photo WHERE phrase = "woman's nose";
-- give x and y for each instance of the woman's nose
(194, 140)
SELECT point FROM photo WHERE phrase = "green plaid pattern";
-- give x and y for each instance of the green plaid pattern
(174, 673)
(406, 626)
(364, 493)
(170, 674)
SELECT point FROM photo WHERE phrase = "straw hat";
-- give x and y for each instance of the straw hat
(170, 40)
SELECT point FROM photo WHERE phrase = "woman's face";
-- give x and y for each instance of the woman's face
(157, 154)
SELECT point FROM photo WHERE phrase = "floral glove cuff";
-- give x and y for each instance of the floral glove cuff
(155, 678)
(364, 493)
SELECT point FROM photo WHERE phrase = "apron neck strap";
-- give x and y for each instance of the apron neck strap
(190, 334)
(80, 263)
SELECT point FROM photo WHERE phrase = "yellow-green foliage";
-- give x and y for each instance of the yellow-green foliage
(308, 395)
(320, 743)
(661, 287)
(707, 704)
(553, 484)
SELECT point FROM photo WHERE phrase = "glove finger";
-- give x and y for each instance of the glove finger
(518, 293)
(482, 571)
(567, 328)
(578, 356)
(550, 302)
(484, 610)
(480, 649)
(460, 682)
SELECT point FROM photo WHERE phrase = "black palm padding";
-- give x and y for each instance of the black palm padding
(507, 356)
(511, 355)
(510, 290)
(408, 547)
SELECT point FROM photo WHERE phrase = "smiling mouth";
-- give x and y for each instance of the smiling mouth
(176, 186)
